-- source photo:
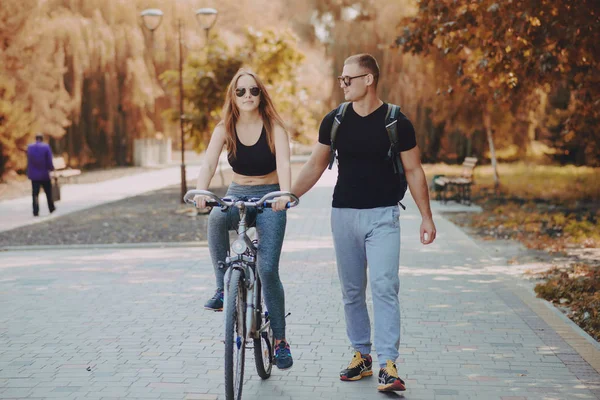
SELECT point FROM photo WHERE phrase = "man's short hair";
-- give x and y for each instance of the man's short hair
(39, 136)
(367, 62)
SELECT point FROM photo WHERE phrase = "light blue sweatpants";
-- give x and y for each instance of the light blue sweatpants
(370, 237)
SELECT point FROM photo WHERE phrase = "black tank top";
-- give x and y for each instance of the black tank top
(255, 160)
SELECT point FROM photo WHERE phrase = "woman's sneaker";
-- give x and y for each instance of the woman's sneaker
(216, 303)
(389, 380)
(283, 355)
(360, 366)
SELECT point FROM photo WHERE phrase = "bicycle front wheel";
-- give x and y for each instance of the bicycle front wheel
(235, 336)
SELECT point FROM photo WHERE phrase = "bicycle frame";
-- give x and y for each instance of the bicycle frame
(242, 273)
(246, 263)
(245, 259)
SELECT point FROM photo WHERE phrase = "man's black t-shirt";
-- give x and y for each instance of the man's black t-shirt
(366, 177)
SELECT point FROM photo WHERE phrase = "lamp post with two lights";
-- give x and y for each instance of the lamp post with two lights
(152, 19)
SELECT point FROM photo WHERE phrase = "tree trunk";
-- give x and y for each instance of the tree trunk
(487, 121)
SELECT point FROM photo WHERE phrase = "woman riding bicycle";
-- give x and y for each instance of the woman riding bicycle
(258, 152)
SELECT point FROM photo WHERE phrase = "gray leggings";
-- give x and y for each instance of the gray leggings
(270, 228)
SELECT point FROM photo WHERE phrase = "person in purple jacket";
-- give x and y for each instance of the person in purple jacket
(39, 165)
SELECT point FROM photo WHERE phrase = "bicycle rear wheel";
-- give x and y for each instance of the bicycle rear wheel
(235, 336)
(263, 347)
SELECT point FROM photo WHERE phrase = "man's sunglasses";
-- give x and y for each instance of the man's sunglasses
(347, 80)
(254, 91)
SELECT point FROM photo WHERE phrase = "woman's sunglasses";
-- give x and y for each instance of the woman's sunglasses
(254, 91)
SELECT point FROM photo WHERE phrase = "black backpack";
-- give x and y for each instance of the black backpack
(391, 125)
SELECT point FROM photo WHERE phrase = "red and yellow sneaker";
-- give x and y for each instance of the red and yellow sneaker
(359, 367)
(389, 380)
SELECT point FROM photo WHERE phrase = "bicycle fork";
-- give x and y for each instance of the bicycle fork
(251, 296)
(250, 304)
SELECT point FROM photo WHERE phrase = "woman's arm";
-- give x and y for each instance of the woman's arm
(209, 166)
(211, 158)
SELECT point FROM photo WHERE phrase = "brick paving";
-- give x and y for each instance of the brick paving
(116, 323)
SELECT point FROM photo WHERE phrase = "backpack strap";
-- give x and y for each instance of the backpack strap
(391, 126)
(337, 121)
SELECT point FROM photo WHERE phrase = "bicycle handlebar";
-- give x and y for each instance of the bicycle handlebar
(265, 201)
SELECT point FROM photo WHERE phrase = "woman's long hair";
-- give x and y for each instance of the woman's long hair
(231, 112)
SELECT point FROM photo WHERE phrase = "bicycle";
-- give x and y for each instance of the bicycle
(244, 303)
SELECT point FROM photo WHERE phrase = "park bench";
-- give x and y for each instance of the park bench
(456, 188)
(61, 172)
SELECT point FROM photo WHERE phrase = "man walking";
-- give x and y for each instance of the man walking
(365, 215)
(39, 165)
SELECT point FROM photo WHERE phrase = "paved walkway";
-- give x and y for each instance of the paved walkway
(75, 197)
(129, 324)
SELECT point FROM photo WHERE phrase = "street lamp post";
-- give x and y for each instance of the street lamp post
(152, 19)
(206, 17)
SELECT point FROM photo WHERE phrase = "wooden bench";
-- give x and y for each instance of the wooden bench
(457, 187)
(61, 170)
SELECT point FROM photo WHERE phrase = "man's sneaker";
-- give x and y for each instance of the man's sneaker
(389, 380)
(216, 303)
(359, 367)
(283, 356)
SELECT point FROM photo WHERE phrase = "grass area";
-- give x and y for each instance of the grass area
(559, 184)
(552, 208)
(545, 207)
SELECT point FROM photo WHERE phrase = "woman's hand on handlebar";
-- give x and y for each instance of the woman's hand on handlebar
(280, 203)
(200, 202)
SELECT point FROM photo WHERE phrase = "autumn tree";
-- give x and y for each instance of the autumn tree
(87, 73)
(32, 96)
(206, 76)
(502, 52)
(447, 131)
(272, 54)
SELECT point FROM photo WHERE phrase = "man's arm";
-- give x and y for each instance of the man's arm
(49, 163)
(282, 155)
(415, 176)
(312, 170)
(284, 172)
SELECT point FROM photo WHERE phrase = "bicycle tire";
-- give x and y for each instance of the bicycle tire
(263, 347)
(235, 337)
